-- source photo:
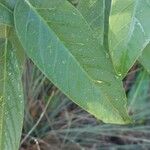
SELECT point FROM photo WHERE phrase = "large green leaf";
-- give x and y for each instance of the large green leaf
(11, 98)
(61, 43)
(129, 32)
(144, 59)
(6, 15)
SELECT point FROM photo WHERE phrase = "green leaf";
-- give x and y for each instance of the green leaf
(144, 59)
(11, 98)
(129, 32)
(6, 15)
(61, 43)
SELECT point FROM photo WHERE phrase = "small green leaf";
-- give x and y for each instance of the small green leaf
(129, 32)
(11, 98)
(61, 43)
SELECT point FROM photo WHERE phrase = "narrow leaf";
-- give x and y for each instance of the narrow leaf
(11, 98)
(129, 32)
(61, 43)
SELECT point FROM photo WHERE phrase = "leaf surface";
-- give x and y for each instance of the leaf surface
(10, 4)
(20, 53)
(144, 59)
(61, 43)
(6, 15)
(129, 32)
(11, 98)
(96, 13)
